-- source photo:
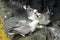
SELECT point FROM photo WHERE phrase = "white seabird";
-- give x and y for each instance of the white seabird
(24, 29)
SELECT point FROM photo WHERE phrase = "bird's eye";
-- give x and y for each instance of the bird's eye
(37, 16)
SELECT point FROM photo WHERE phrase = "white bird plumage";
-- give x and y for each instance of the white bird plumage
(30, 27)
(27, 27)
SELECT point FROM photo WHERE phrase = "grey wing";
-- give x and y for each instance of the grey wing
(23, 30)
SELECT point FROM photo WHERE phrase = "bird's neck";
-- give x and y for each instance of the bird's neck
(34, 23)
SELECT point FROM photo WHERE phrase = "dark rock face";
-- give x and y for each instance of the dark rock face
(57, 10)
(36, 4)
(41, 5)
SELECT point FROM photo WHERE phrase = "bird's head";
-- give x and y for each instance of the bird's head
(35, 15)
